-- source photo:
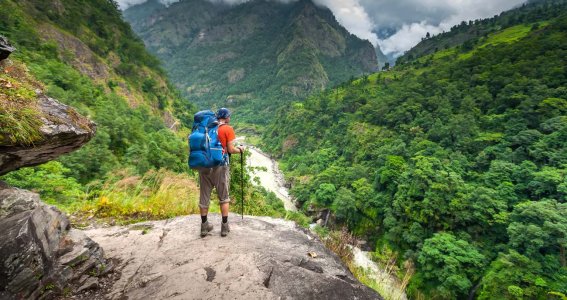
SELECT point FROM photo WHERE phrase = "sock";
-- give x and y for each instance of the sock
(203, 219)
(225, 219)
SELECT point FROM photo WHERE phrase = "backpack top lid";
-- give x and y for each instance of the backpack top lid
(205, 118)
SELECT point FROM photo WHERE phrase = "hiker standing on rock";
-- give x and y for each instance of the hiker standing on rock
(216, 176)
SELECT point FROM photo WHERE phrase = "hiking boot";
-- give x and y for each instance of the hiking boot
(205, 228)
(225, 229)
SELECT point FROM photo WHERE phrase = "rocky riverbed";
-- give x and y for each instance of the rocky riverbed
(266, 169)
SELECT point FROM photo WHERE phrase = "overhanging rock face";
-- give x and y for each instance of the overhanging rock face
(63, 131)
(40, 254)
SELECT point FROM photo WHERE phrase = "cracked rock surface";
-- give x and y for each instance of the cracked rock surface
(40, 255)
(261, 258)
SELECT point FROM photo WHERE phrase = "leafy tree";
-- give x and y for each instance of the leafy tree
(345, 208)
(539, 228)
(515, 276)
(50, 180)
(448, 264)
(325, 194)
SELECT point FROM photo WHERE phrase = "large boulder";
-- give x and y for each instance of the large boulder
(63, 131)
(40, 255)
(261, 258)
(5, 48)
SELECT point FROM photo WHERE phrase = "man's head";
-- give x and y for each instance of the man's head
(223, 113)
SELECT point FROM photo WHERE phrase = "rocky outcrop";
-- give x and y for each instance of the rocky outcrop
(84, 59)
(63, 131)
(40, 255)
(5, 48)
(261, 258)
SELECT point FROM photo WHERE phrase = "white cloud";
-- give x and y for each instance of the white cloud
(231, 2)
(410, 33)
(351, 15)
(124, 4)
(407, 37)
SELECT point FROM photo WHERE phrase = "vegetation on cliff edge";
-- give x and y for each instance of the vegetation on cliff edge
(456, 161)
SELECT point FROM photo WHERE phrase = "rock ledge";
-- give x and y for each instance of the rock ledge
(261, 258)
(63, 131)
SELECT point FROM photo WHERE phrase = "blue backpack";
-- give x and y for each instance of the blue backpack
(204, 144)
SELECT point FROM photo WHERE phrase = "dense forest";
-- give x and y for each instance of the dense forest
(454, 160)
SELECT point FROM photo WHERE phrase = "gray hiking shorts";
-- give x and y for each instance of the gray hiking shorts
(209, 178)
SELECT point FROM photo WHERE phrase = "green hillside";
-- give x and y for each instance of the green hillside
(83, 54)
(252, 56)
(455, 162)
(472, 32)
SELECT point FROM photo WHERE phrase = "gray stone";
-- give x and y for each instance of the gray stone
(39, 253)
(261, 258)
(63, 130)
(5, 48)
(91, 283)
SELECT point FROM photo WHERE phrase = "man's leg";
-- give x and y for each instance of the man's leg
(224, 211)
(205, 188)
(223, 183)
(204, 213)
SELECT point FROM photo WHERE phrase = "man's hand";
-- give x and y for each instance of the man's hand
(233, 149)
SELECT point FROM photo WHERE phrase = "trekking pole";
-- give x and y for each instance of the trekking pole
(242, 183)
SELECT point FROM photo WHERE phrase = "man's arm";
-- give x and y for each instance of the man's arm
(232, 149)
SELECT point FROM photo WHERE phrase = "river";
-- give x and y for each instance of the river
(272, 179)
(266, 169)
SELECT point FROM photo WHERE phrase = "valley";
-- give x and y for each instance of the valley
(449, 168)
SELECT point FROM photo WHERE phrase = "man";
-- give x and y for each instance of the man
(218, 177)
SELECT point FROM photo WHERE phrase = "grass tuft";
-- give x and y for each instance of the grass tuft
(156, 195)
(390, 281)
(20, 116)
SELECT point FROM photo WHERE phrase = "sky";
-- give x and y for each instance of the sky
(408, 20)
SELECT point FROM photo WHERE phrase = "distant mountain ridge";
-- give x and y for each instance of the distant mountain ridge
(256, 50)
(468, 33)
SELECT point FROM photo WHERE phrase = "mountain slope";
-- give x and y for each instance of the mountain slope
(454, 161)
(85, 55)
(255, 52)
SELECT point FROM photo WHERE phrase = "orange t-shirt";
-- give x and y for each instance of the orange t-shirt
(226, 135)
